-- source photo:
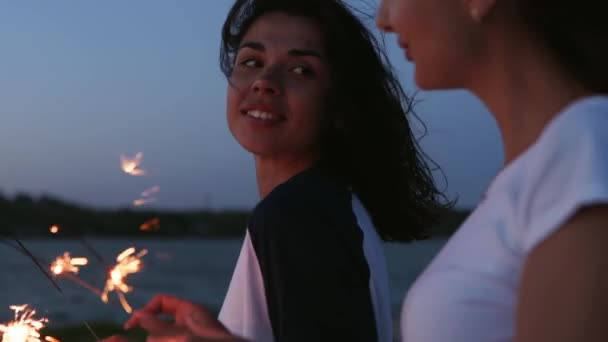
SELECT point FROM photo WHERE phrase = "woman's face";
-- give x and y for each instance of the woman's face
(278, 88)
(440, 37)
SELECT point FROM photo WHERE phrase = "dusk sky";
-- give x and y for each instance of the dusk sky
(82, 82)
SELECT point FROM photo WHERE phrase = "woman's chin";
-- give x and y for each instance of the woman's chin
(260, 150)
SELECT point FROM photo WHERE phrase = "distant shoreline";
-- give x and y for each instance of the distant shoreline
(29, 217)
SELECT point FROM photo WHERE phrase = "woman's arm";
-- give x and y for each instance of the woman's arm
(564, 287)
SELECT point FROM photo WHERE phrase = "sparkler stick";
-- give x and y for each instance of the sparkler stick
(67, 267)
(42, 269)
(82, 283)
(55, 230)
(93, 251)
(64, 274)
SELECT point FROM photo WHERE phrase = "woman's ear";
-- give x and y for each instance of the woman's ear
(479, 9)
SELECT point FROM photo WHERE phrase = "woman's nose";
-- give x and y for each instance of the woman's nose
(382, 18)
(266, 84)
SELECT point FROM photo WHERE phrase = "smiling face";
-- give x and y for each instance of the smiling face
(439, 36)
(278, 87)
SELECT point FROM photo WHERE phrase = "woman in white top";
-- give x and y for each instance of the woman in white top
(531, 262)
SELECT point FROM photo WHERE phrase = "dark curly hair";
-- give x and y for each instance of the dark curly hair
(372, 148)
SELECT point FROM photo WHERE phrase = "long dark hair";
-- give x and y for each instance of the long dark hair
(576, 33)
(372, 146)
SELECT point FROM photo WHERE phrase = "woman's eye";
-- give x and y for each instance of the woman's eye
(250, 63)
(300, 70)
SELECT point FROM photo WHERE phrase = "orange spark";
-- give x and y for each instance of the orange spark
(54, 229)
(131, 166)
(127, 263)
(153, 224)
(24, 328)
(67, 264)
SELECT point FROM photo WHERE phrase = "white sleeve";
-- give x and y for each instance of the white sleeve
(570, 172)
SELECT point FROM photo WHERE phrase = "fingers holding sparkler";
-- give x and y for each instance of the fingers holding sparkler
(191, 321)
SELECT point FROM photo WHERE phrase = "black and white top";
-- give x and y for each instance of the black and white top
(311, 268)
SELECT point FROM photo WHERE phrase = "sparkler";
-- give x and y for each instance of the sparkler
(131, 166)
(127, 263)
(67, 264)
(68, 267)
(25, 327)
(59, 267)
(38, 264)
(21, 248)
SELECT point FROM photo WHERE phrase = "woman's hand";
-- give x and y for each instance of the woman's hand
(192, 322)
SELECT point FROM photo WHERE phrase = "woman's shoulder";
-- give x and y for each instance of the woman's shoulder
(575, 139)
(566, 170)
(311, 199)
(310, 190)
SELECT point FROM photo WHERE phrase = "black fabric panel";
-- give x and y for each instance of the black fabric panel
(310, 252)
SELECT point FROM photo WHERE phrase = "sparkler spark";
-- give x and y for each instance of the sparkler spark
(25, 327)
(54, 229)
(67, 264)
(143, 201)
(149, 192)
(153, 224)
(127, 263)
(146, 196)
(131, 166)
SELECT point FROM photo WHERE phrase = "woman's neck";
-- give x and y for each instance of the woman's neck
(524, 89)
(272, 171)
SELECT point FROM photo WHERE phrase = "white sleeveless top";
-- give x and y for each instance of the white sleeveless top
(469, 291)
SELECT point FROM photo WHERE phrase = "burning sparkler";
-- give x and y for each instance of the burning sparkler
(68, 267)
(131, 166)
(127, 263)
(25, 327)
(67, 264)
